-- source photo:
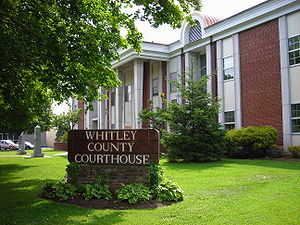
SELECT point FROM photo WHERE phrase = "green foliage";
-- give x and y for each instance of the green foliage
(133, 193)
(72, 170)
(60, 49)
(161, 188)
(276, 151)
(64, 137)
(295, 150)
(97, 189)
(59, 190)
(168, 191)
(195, 134)
(250, 141)
(64, 123)
(155, 175)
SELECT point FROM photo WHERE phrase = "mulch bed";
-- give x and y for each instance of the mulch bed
(113, 204)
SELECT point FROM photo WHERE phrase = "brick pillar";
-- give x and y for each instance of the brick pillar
(146, 87)
(81, 115)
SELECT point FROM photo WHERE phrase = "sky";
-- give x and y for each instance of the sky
(217, 8)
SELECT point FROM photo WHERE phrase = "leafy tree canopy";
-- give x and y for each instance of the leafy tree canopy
(57, 49)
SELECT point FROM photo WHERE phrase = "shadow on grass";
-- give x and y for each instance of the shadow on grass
(21, 204)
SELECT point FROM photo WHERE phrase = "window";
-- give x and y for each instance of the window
(173, 77)
(155, 86)
(128, 93)
(294, 50)
(229, 120)
(113, 98)
(228, 68)
(296, 118)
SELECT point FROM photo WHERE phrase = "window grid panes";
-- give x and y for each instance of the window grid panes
(228, 72)
(113, 99)
(295, 118)
(155, 86)
(128, 93)
(173, 77)
(294, 50)
(229, 120)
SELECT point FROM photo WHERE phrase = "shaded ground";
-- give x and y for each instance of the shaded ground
(113, 204)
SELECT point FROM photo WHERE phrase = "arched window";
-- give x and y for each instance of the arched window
(195, 32)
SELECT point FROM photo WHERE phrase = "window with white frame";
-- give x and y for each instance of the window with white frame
(295, 118)
(294, 50)
(173, 78)
(229, 121)
(228, 73)
(128, 93)
(155, 86)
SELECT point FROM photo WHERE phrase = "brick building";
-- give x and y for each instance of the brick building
(255, 56)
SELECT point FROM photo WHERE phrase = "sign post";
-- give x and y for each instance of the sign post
(125, 154)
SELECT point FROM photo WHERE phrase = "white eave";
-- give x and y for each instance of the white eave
(150, 50)
(251, 17)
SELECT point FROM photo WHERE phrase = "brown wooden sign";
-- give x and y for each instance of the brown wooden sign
(130, 146)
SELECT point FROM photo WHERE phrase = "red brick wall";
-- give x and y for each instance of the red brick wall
(146, 87)
(260, 77)
(81, 115)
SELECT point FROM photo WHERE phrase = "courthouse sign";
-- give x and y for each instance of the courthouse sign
(104, 147)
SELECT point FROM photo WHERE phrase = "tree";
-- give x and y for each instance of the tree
(57, 49)
(65, 122)
(195, 134)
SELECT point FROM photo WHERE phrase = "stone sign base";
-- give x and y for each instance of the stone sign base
(117, 174)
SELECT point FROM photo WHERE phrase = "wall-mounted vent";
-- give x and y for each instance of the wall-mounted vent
(195, 32)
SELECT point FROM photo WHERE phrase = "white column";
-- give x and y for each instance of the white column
(117, 100)
(237, 81)
(285, 83)
(99, 112)
(138, 91)
(220, 80)
(208, 68)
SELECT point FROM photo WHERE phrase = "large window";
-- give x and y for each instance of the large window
(229, 120)
(155, 86)
(228, 68)
(173, 78)
(296, 118)
(113, 98)
(294, 50)
(128, 93)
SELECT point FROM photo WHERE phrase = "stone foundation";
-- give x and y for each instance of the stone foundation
(118, 174)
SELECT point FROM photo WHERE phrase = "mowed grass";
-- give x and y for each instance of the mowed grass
(225, 192)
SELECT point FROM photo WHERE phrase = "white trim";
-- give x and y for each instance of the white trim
(285, 83)
(208, 68)
(237, 81)
(137, 92)
(220, 81)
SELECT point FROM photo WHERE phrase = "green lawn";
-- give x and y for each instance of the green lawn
(226, 192)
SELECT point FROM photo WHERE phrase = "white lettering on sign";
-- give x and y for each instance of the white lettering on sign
(112, 158)
(110, 135)
(110, 147)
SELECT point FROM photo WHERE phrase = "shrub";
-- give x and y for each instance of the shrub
(295, 150)
(133, 193)
(59, 190)
(194, 133)
(97, 189)
(155, 175)
(250, 141)
(168, 191)
(276, 151)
